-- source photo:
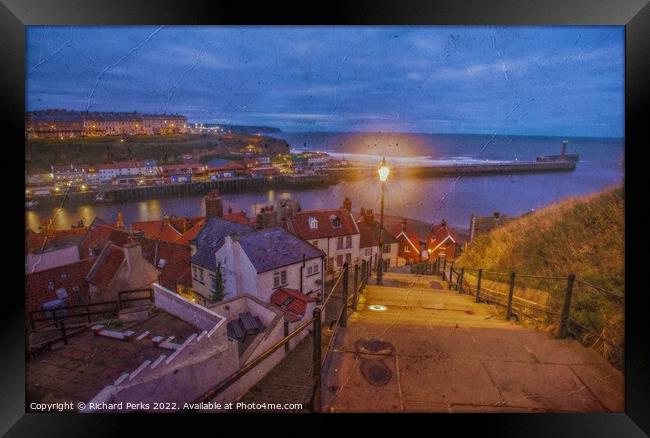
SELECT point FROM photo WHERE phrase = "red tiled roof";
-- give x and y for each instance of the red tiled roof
(299, 224)
(177, 261)
(38, 290)
(98, 235)
(240, 217)
(106, 266)
(438, 235)
(370, 235)
(191, 234)
(35, 241)
(292, 302)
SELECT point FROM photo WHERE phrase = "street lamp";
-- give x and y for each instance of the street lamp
(383, 171)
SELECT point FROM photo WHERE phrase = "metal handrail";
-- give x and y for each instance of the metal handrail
(334, 286)
(228, 381)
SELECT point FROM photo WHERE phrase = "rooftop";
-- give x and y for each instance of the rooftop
(211, 238)
(317, 224)
(293, 303)
(78, 371)
(272, 248)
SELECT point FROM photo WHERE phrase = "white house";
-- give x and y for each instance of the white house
(369, 241)
(254, 262)
(333, 231)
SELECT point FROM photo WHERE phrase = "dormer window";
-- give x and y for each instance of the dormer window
(313, 223)
(336, 221)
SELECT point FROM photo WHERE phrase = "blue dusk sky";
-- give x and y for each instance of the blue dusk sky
(564, 81)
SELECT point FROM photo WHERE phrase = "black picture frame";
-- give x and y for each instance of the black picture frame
(633, 14)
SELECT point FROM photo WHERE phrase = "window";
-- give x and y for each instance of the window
(368, 252)
(348, 258)
(336, 221)
(407, 248)
(279, 278)
(201, 275)
(348, 242)
(315, 243)
(213, 283)
(316, 268)
(310, 270)
(313, 223)
(339, 243)
(339, 260)
(386, 249)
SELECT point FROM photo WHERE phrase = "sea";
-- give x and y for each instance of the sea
(431, 200)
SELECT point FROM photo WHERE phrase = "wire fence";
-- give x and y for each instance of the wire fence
(567, 306)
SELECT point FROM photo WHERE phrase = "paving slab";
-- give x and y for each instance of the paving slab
(450, 354)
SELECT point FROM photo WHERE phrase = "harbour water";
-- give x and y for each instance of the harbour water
(430, 199)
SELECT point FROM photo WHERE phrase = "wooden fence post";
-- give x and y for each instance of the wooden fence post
(317, 361)
(566, 308)
(478, 285)
(356, 288)
(460, 279)
(510, 295)
(444, 269)
(344, 312)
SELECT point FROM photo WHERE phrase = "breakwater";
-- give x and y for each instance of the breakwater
(487, 168)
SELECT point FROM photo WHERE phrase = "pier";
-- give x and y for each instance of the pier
(331, 176)
(488, 168)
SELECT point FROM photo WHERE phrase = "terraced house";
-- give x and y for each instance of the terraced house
(333, 231)
(253, 262)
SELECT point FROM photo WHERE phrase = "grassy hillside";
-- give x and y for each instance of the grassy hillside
(41, 153)
(584, 236)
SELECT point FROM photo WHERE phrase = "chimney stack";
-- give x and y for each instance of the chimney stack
(347, 204)
(120, 220)
(213, 205)
(368, 216)
(403, 224)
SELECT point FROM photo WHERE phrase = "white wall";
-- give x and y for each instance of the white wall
(265, 280)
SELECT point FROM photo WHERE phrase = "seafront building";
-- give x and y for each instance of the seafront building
(54, 123)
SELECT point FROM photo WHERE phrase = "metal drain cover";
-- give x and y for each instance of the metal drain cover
(373, 346)
(376, 372)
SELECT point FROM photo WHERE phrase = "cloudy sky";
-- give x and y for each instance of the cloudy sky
(566, 81)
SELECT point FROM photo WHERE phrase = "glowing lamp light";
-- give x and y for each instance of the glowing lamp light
(384, 171)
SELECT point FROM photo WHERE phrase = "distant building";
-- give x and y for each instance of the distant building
(417, 245)
(107, 172)
(67, 124)
(219, 168)
(369, 241)
(483, 224)
(442, 242)
(411, 246)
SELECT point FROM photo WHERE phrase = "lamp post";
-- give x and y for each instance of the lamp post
(383, 176)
